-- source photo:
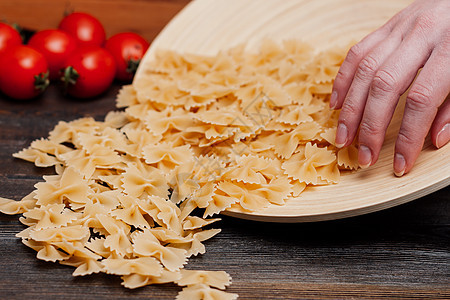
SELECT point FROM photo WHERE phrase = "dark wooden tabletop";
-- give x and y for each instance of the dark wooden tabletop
(400, 253)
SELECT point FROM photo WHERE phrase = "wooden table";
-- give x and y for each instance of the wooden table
(403, 252)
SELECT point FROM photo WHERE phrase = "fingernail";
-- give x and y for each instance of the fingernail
(364, 156)
(399, 165)
(341, 135)
(443, 136)
(333, 100)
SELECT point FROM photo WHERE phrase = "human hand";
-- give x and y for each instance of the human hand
(380, 68)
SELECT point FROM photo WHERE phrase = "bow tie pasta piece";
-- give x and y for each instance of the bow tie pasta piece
(170, 257)
(164, 212)
(44, 153)
(194, 245)
(193, 222)
(167, 236)
(126, 97)
(169, 62)
(203, 291)
(159, 123)
(200, 198)
(84, 266)
(53, 215)
(294, 115)
(144, 182)
(286, 143)
(129, 212)
(183, 182)
(306, 167)
(71, 187)
(253, 169)
(117, 235)
(70, 233)
(46, 251)
(12, 207)
(165, 157)
(133, 281)
(66, 132)
(97, 245)
(147, 266)
(348, 157)
(217, 279)
(87, 164)
(116, 119)
(39, 158)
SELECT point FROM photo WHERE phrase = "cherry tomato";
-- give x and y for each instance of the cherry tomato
(128, 49)
(85, 28)
(56, 46)
(88, 72)
(9, 37)
(23, 72)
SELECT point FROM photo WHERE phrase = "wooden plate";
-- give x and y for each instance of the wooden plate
(206, 27)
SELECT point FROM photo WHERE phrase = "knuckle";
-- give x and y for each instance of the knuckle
(384, 82)
(368, 65)
(425, 22)
(371, 129)
(443, 46)
(366, 68)
(349, 108)
(406, 139)
(419, 98)
(355, 53)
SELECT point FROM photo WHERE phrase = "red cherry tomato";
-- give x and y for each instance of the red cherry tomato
(9, 37)
(88, 72)
(85, 28)
(23, 72)
(56, 46)
(128, 49)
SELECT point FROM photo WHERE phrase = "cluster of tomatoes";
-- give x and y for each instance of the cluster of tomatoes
(77, 54)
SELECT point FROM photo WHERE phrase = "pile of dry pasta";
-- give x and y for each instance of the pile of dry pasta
(194, 135)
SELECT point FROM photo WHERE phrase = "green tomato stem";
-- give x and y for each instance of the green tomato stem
(41, 82)
(70, 76)
(132, 65)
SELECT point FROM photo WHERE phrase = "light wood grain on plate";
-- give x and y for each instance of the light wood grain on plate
(206, 27)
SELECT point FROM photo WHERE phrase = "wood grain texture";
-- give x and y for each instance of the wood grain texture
(146, 17)
(206, 27)
(399, 253)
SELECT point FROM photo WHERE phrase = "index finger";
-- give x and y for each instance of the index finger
(354, 56)
(346, 73)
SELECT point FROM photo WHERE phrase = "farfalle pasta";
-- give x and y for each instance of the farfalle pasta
(203, 291)
(195, 135)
